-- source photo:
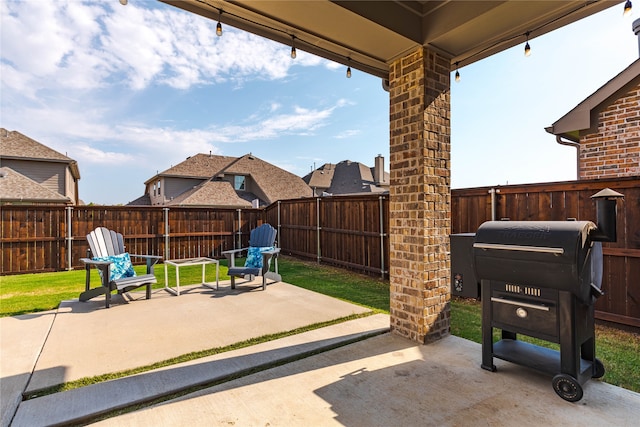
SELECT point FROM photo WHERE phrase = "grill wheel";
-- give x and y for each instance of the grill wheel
(598, 369)
(567, 387)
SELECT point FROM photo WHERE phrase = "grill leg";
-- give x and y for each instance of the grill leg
(569, 352)
(487, 329)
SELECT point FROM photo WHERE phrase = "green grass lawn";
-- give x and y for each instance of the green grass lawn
(619, 350)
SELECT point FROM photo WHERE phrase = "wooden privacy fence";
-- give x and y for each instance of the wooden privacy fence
(346, 231)
(349, 231)
(47, 238)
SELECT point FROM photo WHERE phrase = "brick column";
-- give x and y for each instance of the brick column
(420, 195)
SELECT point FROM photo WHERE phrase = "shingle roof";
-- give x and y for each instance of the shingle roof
(321, 177)
(273, 182)
(346, 177)
(141, 201)
(198, 166)
(211, 193)
(17, 187)
(15, 145)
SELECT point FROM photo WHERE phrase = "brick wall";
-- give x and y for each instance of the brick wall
(420, 200)
(614, 150)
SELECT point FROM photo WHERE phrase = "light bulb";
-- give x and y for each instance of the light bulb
(124, 2)
(293, 52)
(627, 8)
(219, 29)
(527, 49)
(348, 72)
(457, 76)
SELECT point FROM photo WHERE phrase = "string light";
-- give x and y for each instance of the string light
(627, 8)
(527, 48)
(457, 73)
(219, 26)
(349, 68)
(293, 47)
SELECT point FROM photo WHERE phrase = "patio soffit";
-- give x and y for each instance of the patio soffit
(370, 35)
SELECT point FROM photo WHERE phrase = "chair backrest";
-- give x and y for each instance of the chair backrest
(104, 242)
(262, 236)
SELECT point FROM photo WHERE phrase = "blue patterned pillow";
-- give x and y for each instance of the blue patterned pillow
(121, 266)
(254, 256)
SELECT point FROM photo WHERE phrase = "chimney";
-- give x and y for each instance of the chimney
(378, 169)
(636, 30)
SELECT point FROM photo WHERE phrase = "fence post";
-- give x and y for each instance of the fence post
(493, 192)
(381, 199)
(279, 241)
(69, 237)
(166, 233)
(318, 228)
(239, 229)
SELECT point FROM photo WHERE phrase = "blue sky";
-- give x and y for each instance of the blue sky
(128, 91)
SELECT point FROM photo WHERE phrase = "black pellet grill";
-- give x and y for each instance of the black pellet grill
(541, 279)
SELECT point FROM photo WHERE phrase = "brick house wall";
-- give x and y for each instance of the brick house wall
(614, 150)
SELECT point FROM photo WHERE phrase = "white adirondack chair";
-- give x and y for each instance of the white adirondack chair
(107, 243)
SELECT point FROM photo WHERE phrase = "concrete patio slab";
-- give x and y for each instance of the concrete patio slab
(21, 341)
(88, 340)
(390, 381)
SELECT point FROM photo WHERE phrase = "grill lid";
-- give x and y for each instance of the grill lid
(556, 254)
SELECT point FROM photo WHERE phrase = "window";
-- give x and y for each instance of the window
(154, 188)
(159, 192)
(238, 182)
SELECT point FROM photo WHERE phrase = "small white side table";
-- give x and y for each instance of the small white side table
(177, 263)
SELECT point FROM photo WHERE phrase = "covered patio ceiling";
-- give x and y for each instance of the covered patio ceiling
(369, 35)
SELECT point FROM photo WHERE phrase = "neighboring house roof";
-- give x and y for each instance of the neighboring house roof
(15, 187)
(583, 119)
(274, 183)
(198, 166)
(15, 145)
(212, 193)
(141, 201)
(346, 177)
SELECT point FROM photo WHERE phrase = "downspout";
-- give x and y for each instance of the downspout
(560, 141)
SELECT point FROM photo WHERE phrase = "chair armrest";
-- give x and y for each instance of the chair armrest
(266, 259)
(103, 266)
(90, 262)
(233, 251)
(272, 251)
(231, 256)
(151, 261)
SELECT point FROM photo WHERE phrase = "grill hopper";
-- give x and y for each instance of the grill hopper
(553, 254)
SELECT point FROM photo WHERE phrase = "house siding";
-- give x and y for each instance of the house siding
(614, 150)
(172, 187)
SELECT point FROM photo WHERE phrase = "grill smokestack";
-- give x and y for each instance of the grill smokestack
(606, 213)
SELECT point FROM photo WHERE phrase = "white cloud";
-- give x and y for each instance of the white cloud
(348, 133)
(87, 45)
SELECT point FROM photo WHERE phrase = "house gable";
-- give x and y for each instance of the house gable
(208, 180)
(16, 188)
(605, 128)
(45, 166)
